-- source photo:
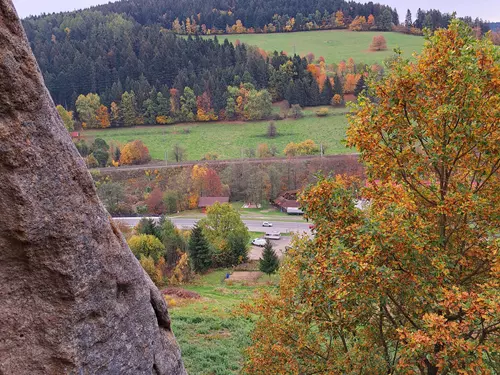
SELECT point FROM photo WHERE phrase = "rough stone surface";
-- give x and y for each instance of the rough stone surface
(73, 299)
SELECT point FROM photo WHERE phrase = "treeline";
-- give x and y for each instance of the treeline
(216, 15)
(433, 19)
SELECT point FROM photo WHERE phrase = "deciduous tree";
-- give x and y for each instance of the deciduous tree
(409, 284)
(146, 245)
(378, 43)
(66, 117)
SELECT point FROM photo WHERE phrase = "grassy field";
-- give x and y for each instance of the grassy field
(333, 45)
(211, 334)
(231, 139)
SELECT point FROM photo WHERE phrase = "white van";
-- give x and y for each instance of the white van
(273, 236)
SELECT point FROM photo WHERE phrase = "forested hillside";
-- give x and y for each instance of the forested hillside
(252, 13)
(128, 54)
(165, 78)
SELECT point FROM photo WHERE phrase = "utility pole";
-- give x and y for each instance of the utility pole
(166, 156)
(321, 148)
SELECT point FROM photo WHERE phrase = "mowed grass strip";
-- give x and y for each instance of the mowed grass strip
(231, 139)
(333, 45)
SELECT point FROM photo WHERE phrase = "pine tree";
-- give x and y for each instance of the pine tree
(337, 86)
(117, 154)
(128, 108)
(199, 250)
(269, 262)
(327, 93)
(360, 86)
(408, 21)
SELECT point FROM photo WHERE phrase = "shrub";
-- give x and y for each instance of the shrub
(322, 112)
(296, 111)
(182, 271)
(307, 147)
(337, 99)
(155, 202)
(91, 161)
(211, 156)
(135, 153)
(263, 151)
(148, 264)
(146, 245)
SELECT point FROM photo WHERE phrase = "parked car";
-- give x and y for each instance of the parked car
(273, 236)
(267, 224)
(312, 227)
(259, 242)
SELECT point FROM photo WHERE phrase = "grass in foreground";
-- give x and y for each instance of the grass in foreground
(211, 335)
(231, 139)
(333, 45)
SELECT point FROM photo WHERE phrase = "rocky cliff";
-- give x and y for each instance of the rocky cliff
(73, 299)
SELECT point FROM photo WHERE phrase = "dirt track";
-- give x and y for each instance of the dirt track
(162, 164)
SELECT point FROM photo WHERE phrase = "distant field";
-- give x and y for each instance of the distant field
(230, 139)
(333, 45)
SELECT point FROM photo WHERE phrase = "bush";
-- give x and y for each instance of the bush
(135, 153)
(146, 245)
(91, 161)
(263, 151)
(171, 201)
(307, 147)
(211, 156)
(154, 272)
(322, 112)
(336, 100)
(296, 111)
(155, 202)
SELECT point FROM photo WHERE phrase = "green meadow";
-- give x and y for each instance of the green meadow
(333, 45)
(231, 139)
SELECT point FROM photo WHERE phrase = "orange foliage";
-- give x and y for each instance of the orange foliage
(378, 43)
(134, 153)
(102, 116)
(350, 82)
(406, 283)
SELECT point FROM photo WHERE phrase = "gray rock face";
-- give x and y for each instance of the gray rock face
(73, 299)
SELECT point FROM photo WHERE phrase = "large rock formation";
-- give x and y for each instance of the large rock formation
(73, 299)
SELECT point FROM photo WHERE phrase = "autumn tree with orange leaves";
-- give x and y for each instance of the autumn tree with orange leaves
(410, 283)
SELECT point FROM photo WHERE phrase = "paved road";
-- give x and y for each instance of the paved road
(252, 225)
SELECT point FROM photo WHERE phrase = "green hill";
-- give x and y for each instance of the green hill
(333, 45)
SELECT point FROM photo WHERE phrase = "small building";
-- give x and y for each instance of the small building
(205, 202)
(287, 202)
